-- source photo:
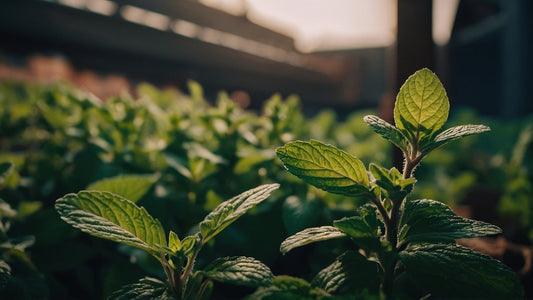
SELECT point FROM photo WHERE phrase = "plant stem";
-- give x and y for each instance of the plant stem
(188, 268)
(391, 233)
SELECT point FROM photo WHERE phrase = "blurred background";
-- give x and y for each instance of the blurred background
(160, 67)
(344, 54)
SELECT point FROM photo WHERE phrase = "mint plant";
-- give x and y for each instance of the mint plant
(403, 247)
(113, 217)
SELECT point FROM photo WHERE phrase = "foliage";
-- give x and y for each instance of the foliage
(110, 216)
(399, 239)
(178, 155)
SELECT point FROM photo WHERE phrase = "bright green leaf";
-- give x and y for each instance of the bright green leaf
(112, 217)
(310, 235)
(174, 242)
(450, 271)
(239, 270)
(392, 182)
(131, 187)
(325, 167)
(230, 210)
(421, 105)
(429, 220)
(351, 272)
(146, 289)
(388, 131)
(452, 134)
(188, 244)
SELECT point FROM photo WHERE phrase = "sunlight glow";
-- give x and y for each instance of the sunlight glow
(444, 12)
(145, 17)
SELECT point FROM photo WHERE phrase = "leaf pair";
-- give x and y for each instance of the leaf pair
(110, 216)
(421, 109)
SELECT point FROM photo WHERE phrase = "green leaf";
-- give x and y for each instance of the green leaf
(428, 220)
(112, 217)
(362, 233)
(131, 187)
(392, 182)
(5, 169)
(421, 105)
(450, 271)
(174, 242)
(310, 235)
(351, 272)
(5, 273)
(389, 132)
(239, 270)
(188, 244)
(298, 213)
(451, 134)
(146, 289)
(288, 288)
(325, 167)
(230, 210)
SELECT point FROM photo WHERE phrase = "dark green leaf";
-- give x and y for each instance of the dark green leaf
(349, 273)
(364, 233)
(325, 167)
(452, 134)
(131, 187)
(310, 235)
(449, 271)
(5, 169)
(298, 213)
(239, 270)
(112, 217)
(146, 289)
(421, 105)
(388, 131)
(5, 273)
(230, 210)
(429, 220)
(288, 288)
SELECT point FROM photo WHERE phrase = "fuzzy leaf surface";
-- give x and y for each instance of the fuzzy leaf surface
(288, 288)
(229, 211)
(388, 132)
(449, 271)
(146, 289)
(325, 167)
(422, 105)
(112, 217)
(310, 235)
(131, 187)
(351, 272)
(239, 270)
(451, 134)
(429, 220)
